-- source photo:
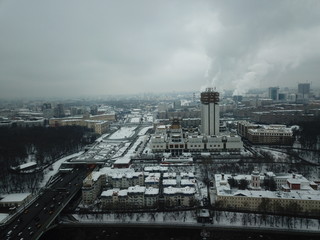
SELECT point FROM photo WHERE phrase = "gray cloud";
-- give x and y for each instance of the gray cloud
(61, 48)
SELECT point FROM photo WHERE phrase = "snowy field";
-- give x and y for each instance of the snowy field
(124, 132)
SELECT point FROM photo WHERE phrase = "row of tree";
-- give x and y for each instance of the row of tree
(41, 144)
(308, 134)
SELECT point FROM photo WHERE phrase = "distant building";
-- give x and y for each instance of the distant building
(303, 92)
(304, 89)
(265, 134)
(98, 123)
(274, 93)
(59, 111)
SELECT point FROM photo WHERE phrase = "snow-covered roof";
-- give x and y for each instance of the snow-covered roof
(151, 191)
(14, 197)
(223, 189)
(167, 182)
(170, 175)
(174, 190)
(156, 169)
(118, 175)
(26, 165)
(187, 182)
(187, 175)
(113, 192)
(123, 132)
(136, 189)
(111, 171)
(123, 160)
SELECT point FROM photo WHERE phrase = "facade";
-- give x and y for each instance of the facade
(125, 180)
(174, 196)
(303, 90)
(14, 199)
(210, 113)
(295, 193)
(265, 134)
(274, 93)
(173, 140)
(92, 186)
(98, 126)
(133, 197)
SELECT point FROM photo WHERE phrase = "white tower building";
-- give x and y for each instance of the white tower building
(210, 114)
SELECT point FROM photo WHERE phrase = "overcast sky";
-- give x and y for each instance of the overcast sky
(86, 48)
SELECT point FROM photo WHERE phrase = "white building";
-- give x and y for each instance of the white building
(210, 113)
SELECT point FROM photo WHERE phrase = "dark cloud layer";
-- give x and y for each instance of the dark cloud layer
(76, 48)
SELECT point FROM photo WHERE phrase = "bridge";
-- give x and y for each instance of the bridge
(33, 220)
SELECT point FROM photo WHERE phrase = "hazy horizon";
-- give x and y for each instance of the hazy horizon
(106, 48)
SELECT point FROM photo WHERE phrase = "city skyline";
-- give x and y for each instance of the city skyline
(80, 48)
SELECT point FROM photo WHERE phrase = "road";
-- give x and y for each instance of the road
(34, 220)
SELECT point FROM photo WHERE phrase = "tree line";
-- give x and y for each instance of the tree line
(45, 145)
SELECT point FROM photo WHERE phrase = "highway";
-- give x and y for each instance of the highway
(36, 218)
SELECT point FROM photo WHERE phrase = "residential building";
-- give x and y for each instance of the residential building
(92, 186)
(174, 196)
(296, 193)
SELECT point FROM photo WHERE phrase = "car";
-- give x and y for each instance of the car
(31, 233)
(39, 225)
(19, 234)
(26, 211)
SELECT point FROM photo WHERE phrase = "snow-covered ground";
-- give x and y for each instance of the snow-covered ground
(3, 216)
(220, 219)
(143, 131)
(123, 132)
(49, 173)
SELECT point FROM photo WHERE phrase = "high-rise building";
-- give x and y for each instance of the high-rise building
(210, 113)
(304, 90)
(59, 111)
(274, 93)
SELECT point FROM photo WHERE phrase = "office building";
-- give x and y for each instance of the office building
(210, 114)
(274, 93)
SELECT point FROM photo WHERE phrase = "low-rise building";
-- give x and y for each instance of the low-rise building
(266, 134)
(125, 180)
(92, 186)
(184, 197)
(133, 197)
(290, 199)
(14, 199)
